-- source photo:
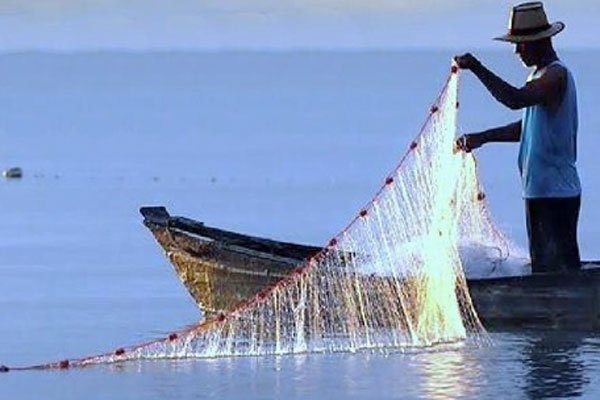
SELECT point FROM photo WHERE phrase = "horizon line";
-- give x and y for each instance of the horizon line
(273, 49)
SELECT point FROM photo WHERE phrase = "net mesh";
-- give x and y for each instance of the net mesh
(392, 278)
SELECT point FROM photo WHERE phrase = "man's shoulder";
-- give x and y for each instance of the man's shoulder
(555, 73)
(558, 68)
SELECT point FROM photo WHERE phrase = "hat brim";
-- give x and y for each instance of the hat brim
(554, 29)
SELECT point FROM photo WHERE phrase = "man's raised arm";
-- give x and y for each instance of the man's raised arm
(545, 90)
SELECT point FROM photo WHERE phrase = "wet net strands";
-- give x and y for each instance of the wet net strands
(391, 279)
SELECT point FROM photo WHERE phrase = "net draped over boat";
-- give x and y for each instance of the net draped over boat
(392, 278)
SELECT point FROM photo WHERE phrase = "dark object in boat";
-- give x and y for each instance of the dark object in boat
(13, 173)
(221, 268)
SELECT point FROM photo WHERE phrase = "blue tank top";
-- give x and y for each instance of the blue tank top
(548, 148)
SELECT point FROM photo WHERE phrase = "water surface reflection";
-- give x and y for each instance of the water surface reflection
(523, 364)
(450, 374)
(554, 366)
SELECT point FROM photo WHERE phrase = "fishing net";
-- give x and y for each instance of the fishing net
(392, 278)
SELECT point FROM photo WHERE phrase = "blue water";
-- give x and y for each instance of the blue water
(286, 145)
(519, 365)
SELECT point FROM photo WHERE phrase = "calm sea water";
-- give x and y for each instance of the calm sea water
(286, 145)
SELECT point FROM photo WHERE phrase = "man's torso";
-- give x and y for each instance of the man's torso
(548, 149)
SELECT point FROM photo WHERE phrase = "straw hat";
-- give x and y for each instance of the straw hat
(528, 22)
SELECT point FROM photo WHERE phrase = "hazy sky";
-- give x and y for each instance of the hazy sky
(215, 24)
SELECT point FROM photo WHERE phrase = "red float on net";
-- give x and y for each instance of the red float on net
(172, 336)
(413, 145)
(363, 213)
(480, 196)
(119, 352)
(64, 364)
(434, 109)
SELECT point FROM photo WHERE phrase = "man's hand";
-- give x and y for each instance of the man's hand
(466, 61)
(470, 141)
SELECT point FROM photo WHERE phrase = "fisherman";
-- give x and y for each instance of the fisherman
(547, 134)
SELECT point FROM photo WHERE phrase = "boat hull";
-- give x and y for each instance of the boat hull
(561, 300)
(221, 269)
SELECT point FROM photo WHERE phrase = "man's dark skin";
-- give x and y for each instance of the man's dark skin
(547, 90)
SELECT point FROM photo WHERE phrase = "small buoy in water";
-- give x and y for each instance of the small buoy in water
(4, 368)
(13, 173)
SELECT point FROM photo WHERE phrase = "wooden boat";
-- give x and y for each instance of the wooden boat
(221, 268)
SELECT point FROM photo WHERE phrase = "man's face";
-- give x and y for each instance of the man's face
(526, 51)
